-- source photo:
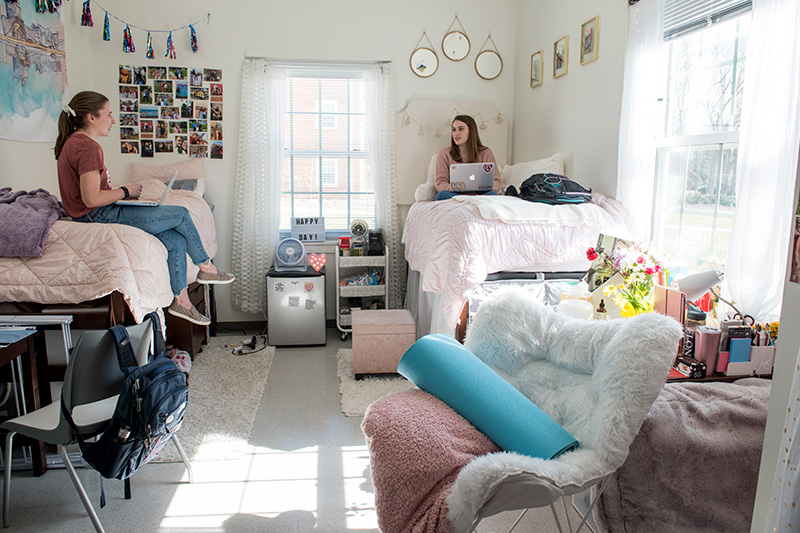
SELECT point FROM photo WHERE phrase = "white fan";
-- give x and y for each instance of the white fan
(290, 256)
(359, 229)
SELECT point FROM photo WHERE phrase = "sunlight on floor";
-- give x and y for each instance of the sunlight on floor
(268, 483)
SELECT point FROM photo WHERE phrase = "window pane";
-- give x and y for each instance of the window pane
(363, 206)
(302, 172)
(360, 178)
(706, 79)
(358, 133)
(335, 208)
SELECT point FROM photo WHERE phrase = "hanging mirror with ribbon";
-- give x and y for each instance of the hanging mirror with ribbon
(455, 44)
(488, 63)
(424, 60)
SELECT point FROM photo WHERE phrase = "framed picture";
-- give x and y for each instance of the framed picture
(560, 56)
(590, 32)
(536, 69)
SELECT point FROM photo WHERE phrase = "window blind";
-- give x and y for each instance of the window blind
(685, 16)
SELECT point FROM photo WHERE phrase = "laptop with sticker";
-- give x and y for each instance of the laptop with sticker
(471, 177)
(150, 203)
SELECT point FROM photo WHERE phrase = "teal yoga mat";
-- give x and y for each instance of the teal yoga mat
(442, 367)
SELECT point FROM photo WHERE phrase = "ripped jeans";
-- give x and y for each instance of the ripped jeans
(171, 224)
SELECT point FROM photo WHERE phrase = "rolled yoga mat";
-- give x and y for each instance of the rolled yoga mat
(442, 367)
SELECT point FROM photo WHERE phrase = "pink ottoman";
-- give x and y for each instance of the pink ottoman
(380, 338)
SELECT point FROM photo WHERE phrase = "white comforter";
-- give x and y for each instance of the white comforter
(83, 261)
(454, 244)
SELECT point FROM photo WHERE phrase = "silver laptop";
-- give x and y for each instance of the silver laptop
(471, 177)
(151, 203)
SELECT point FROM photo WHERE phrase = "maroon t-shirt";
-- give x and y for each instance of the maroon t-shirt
(79, 155)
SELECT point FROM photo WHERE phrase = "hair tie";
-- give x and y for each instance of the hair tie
(67, 109)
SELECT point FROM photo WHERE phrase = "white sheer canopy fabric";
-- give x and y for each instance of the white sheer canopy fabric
(380, 125)
(642, 76)
(257, 188)
(767, 164)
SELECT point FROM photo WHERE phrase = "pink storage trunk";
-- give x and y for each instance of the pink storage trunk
(380, 338)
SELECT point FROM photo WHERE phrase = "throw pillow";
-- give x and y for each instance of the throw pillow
(190, 174)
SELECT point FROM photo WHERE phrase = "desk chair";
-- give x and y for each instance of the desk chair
(92, 384)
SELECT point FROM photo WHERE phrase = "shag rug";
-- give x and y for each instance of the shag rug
(225, 391)
(357, 395)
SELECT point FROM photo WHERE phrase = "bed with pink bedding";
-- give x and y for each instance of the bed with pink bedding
(82, 262)
(454, 244)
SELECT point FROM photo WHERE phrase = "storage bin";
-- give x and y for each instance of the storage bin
(380, 338)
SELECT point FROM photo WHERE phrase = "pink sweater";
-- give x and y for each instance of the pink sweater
(444, 160)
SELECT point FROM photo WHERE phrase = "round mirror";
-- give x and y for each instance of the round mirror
(424, 62)
(455, 45)
(488, 64)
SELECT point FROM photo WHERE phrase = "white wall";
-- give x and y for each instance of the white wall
(576, 114)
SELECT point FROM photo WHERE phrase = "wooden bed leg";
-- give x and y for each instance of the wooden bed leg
(461, 325)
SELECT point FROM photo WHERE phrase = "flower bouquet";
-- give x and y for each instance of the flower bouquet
(639, 269)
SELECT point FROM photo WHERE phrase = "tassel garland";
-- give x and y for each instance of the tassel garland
(127, 41)
(106, 31)
(86, 16)
(193, 39)
(170, 48)
(149, 53)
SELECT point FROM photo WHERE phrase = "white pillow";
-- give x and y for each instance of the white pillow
(191, 169)
(426, 192)
(516, 174)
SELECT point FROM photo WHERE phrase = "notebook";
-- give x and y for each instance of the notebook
(471, 177)
(153, 203)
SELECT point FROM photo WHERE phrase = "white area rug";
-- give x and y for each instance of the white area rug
(225, 391)
(357, 395)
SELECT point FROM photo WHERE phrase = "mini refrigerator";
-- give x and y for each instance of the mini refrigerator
(296, 307)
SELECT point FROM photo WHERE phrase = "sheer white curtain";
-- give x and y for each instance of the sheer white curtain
(641, 87)
(380, 94)
(257, 188)
(767, 164)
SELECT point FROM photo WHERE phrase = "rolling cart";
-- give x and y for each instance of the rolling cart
(348, 266)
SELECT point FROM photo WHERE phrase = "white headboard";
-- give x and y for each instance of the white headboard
(423, 128)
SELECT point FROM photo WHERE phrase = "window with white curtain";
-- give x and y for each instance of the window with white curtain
(697, 141)
(326, 159)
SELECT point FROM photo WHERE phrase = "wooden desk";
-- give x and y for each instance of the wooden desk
(27, 348)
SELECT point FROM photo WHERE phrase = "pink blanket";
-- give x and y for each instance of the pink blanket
(454, 245)
(83, 262)
(412, 481)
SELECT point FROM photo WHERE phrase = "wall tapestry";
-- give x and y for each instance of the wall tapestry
(170, 110)
(33, 75)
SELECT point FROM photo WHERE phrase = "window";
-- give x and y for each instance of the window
(326, 169)
(695, 185)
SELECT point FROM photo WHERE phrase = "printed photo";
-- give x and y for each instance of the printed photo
(171, 113)
(129, 134)
(216, 131)
(182, 144)
(146, 127)
(196, 78)
(198, 125)
(198, 151)
(200, 93)
(128, 119)
(129, 147)
(177, 128)
(125, 74)
(201, 110)
(181, 90)
(187, 109)
(177, 73)
(128, 91)
(216, 90)
(129, 106)
(163, 146)
(197, 138)
(161, 129)
(216, 149)
(157, 73)
(212, 74)
(147, 148)
(216, 111)
(139, 75)
(146, 95)
(163, 86)
(148, 112)
(164, 99)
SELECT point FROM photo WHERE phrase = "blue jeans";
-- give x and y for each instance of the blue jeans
(446, 195)
(171, 224)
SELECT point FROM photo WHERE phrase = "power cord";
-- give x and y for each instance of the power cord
(249, 347)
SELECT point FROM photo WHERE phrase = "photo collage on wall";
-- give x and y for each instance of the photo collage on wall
(170, 110)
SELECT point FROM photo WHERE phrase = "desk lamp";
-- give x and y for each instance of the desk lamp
(696, 285)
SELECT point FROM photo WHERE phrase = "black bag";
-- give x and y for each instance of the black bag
(551, 189)
(149, 411)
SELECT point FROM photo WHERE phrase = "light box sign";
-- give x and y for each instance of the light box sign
(308, 229)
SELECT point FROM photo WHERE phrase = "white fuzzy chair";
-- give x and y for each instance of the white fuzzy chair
(597, 379)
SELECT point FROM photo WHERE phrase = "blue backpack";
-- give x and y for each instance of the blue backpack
(149, 411)
(551, 189)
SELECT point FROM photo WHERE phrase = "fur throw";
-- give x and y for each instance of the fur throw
(597, 379)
